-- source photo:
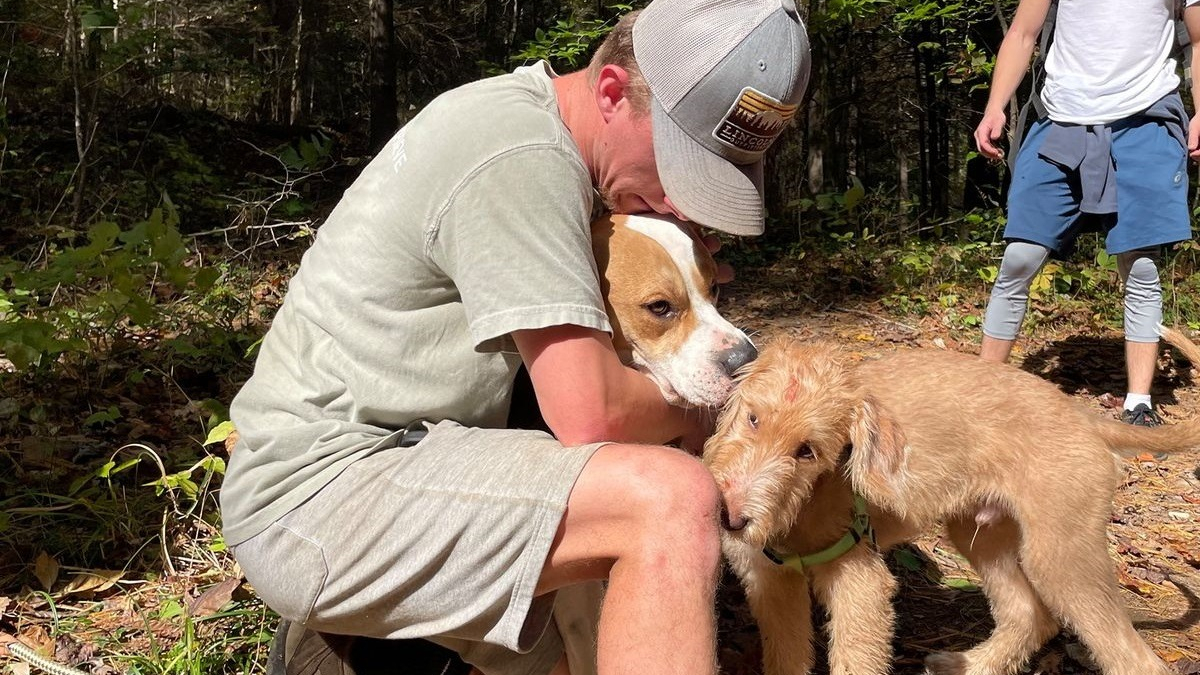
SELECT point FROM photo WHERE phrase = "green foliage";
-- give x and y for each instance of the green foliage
(307, 154)
(569, 42)
(96, 292)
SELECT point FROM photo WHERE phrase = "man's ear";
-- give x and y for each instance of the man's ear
(610, 90)
(879, 451)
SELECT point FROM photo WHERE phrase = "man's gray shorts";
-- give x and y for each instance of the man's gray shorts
(443, 540)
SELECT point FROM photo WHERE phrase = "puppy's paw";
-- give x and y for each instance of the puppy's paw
(946, 663)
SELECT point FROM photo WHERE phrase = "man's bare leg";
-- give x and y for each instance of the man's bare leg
(995, 349)
(645, 518)
(1141, 360)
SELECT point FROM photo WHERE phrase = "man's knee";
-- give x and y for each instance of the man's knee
(669, 494)
(1021, 263)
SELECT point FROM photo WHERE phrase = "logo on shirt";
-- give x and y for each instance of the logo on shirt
(399, 156)
(754, 121)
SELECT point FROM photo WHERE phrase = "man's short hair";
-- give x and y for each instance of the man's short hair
(617, 49)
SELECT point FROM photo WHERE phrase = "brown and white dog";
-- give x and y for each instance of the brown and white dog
(660, 290)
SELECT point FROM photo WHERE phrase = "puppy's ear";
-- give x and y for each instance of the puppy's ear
(877, 459)
(724, 425)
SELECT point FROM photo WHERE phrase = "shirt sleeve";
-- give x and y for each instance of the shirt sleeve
(515, 238)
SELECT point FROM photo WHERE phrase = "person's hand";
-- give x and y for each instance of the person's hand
(1194, 138)
(724, 270)
(988, 132)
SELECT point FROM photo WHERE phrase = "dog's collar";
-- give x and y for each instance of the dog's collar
(860, 528)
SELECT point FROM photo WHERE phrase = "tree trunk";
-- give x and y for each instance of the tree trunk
(82, 61)
(382, 73)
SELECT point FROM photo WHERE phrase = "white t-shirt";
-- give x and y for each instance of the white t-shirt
(1110, 59)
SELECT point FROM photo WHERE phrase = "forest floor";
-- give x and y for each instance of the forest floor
(82, 577)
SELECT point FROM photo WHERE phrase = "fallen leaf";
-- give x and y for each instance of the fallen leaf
(91, 581)
(212, 600)
(37, 638)
(1171, 656)
(45, 568)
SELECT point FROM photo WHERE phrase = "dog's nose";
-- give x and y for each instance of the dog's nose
(732, 523)
(735, 357)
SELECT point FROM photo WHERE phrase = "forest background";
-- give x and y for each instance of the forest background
(164, 164)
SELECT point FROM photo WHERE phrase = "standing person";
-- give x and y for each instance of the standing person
(374, 492)
(1110, 153)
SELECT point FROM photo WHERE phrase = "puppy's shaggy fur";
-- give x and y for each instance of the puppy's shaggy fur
(1020, 474)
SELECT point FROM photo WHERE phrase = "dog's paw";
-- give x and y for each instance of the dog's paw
(946, 663)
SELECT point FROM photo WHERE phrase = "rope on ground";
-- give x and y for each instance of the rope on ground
(28, 655)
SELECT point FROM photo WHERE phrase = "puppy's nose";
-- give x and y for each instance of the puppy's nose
(731, 522)
(735, 357)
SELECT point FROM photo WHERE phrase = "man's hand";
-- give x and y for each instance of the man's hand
(1194, 138)
(988, 132)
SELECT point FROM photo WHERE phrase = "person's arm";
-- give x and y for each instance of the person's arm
(1011, 63)
(587, 395)
(1191, 18)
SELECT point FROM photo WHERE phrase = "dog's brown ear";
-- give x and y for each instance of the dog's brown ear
(877, 458)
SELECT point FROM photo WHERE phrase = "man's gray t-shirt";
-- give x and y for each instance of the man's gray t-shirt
(471, 223)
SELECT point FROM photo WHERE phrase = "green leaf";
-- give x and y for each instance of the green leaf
(219, 433)
(855, 194)
(907, 559)
(960, 584)
(205, 278)
(98, 18)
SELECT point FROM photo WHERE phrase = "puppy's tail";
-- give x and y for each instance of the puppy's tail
(1179, 341)
(1129, 440)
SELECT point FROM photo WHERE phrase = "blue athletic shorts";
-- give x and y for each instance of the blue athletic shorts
(1152, 190)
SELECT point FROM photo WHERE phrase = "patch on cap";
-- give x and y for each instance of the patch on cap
(754, 121)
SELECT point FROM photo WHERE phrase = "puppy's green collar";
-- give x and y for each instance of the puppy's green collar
(860, 528)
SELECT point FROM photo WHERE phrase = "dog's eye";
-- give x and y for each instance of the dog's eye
(803, 452)
(659, 308)
(753, 420)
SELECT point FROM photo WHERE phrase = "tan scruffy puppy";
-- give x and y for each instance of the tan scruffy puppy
(1021, 475)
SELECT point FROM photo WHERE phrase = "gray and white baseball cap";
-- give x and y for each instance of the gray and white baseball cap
(725, 79)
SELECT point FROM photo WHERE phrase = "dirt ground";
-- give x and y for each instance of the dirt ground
(1154, 536)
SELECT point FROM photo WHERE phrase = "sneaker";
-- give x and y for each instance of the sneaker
(1142, 415)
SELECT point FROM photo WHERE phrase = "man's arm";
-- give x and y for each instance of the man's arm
(1011, 63)
(587, 395)
(1191, 18)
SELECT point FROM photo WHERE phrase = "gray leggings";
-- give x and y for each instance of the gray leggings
(1022, 260)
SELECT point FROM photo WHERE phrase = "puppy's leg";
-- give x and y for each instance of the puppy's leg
(781, 604)
(857, 589)
(1023, 624)
(1066, 559)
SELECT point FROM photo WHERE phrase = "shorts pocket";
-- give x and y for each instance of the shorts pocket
(286, 569)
